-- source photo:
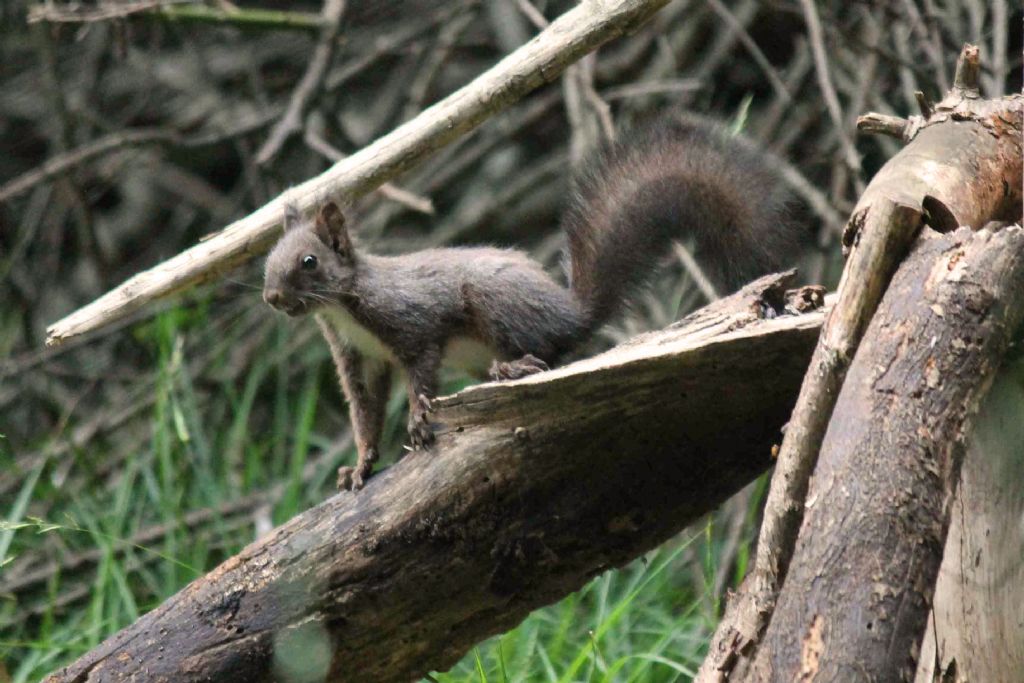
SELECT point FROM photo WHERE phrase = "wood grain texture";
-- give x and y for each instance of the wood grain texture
(961, 166)
(884, 240)
(977, 630)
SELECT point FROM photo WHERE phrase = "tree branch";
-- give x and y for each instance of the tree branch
(63, 163)
(309, 85)
(185, 11)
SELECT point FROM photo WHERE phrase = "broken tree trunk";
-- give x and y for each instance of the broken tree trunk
(533, 487)
(976, 631)
(887, 233)
(857, 595)
(961, 166)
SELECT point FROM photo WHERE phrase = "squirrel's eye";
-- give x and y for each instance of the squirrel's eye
(309, 262)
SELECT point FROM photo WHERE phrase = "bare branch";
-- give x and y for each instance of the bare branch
(882, 124)
(781, 91)
(828, 91)
(308, 86)
(115, 142)
(694, 270)
(176, 10)
(431, 66)
(408, 199)
(968, 70)
(658, 87)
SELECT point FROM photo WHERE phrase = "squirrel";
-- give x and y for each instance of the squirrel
(471, 305)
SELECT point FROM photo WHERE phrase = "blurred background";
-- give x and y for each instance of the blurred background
(139, 457)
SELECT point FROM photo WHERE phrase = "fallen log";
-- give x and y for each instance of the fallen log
(533, 488)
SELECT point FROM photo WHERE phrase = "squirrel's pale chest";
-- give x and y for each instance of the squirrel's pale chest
(462, 353)
(353, 333)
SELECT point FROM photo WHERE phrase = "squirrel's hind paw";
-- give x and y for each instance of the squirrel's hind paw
(420, 432)
(524, 367)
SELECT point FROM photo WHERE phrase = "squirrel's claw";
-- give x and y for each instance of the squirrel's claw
(420, 434)
(351, 479)
(525, 366)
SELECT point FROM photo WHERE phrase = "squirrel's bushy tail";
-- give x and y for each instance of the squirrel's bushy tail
(675, 180)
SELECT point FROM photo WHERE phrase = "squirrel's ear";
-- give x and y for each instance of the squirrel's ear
(292, 217)
(330, 228)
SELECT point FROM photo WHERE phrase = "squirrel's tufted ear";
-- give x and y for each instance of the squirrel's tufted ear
(292, 217)
(330, 228)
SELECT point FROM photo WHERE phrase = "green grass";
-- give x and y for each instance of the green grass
(128, 519)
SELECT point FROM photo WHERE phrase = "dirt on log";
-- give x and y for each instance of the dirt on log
(533, 488)
(858, 593)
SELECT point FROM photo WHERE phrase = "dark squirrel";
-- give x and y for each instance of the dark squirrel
(469, 306)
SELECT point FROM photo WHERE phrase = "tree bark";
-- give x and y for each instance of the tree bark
(887, 234)
(533, 487)
(857, 596)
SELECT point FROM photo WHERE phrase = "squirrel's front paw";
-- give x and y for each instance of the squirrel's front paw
(346, 478)
(525, 366)
(351, 478)
(420, 433)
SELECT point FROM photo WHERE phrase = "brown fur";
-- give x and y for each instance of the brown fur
(675, 179)
(365, 383)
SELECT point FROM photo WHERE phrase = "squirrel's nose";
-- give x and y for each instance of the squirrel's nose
(272, 297)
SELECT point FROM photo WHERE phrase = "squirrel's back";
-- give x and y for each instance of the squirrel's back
(675, 180)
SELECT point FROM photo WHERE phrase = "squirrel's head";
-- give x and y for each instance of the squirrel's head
(312, 264)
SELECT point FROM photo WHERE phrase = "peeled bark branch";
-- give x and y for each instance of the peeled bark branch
(533, 487)
(573, 35)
